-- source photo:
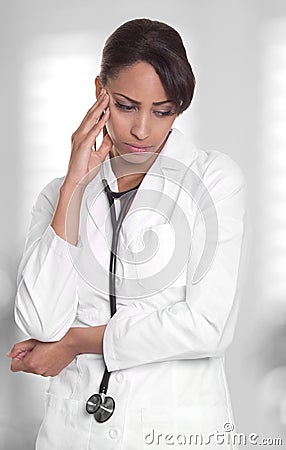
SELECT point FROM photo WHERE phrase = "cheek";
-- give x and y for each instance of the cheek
(116, 124)
(162, 129)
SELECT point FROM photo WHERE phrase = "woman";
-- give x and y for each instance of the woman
(176, 306)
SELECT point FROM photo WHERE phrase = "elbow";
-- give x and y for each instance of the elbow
(213, 339)
(35, 328)
(40, 319)
(211, 334)
(215, 349)
(216, 343)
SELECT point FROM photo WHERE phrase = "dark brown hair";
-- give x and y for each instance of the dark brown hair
(157, 44)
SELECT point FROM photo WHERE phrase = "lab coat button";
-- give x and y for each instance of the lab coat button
(119, 377)
(113, 433)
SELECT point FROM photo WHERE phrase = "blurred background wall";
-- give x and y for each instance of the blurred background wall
(50, 53)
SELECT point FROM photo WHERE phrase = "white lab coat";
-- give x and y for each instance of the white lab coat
(165, 348)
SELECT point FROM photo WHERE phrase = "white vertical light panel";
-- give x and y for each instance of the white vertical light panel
(271, 220)
(57, 90)
(272, 184)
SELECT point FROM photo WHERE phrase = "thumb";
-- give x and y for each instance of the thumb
(105, 146)
(97, 157)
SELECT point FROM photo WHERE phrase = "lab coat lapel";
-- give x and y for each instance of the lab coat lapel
(156, 198)
(142, 212)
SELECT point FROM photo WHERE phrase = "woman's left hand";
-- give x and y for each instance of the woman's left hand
(41, 358)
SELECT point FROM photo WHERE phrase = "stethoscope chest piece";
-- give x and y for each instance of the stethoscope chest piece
(101, 406)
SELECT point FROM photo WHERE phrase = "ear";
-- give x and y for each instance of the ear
(98, 86)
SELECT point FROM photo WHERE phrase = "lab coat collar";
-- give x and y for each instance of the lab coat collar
(178, 152)
(171, 163)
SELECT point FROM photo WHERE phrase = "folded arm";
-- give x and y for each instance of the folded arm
(48, 359)
(46, 299)
(203, 324)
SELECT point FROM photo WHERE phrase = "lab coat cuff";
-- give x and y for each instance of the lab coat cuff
(59, 245)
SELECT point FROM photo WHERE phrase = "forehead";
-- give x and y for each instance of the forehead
(140, 82)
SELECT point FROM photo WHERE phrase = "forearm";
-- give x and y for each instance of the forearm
(65, 221)
(86, 339)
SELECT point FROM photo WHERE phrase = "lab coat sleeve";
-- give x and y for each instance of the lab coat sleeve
(46, 299)
(202, 325)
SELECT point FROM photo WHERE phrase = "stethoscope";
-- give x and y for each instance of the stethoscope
(101, 405)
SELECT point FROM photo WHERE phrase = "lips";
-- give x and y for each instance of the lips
(138, 148)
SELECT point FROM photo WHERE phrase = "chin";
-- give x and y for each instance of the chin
(137, 158)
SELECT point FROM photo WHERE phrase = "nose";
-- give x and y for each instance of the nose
(141, 127)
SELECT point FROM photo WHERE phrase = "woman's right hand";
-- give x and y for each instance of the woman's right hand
(84, 163)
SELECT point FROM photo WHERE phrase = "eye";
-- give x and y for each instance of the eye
(124, 107)
(129, 108)
(164, 113)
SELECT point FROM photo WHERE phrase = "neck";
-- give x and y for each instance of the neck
(128, 172)
(132, 173)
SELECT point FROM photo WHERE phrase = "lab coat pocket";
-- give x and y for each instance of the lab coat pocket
(66, 425)
(65, 383)
(161, 258)
(188, 427)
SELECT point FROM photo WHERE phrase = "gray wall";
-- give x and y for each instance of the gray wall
(49, 56)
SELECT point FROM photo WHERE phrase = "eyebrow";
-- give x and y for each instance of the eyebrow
(139, 103)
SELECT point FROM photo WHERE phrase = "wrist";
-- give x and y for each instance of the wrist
(70, 188)
(71, 341)
(85, 339)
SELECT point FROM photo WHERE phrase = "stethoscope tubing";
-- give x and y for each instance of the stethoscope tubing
(97, 403)
(116, 225)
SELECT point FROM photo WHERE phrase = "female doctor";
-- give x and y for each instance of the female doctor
(161, 347)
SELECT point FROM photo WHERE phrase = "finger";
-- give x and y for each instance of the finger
(99, 156)
(90, 138)
(13, 353)
(21, 355)
(21, 347)
(101, 96)
(93, 115)
(97, 102)
(25, 365)
(98, 106)
(18, 365)
(87, 143)
(84, 141)
(106, 146)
